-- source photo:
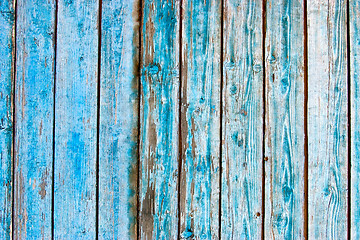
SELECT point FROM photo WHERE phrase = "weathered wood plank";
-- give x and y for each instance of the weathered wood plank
(327, 119)
(118, 153)
(159, 131)
(6, 117)
(354, 24)
(242, 121)
(284, 124)
(34, 88)
(200, 119)
(76, 120)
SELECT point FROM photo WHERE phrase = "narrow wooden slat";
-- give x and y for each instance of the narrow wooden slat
(159, 131)
(76, 120)
(6, 118)
(118, 119)
(242, 121)
(327, 119)
(354, 24)
(200, 119)
(34, 88)
(284, 124)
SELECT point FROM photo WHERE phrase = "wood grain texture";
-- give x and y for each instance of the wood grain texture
(284, 124)
(242, 121)
(76, 120)
(200, 119)
(354, 24)
(7, 22)
(34, 88)
(159, 129)
(118, 152)
(327, 119)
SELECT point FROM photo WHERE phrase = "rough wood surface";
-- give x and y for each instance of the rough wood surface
(7, 17)
(159, 122)
(76, 120)
(34, 98)
(354, 24)
(327, 119)
(242, 121)
(179, 119)
(284, 124)
(118, 152)
(200, 119)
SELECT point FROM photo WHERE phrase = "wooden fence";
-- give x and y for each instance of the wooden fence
(180, 119)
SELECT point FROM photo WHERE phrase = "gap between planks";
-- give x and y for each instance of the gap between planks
(13, 121)
(306, 178)
(54, 124)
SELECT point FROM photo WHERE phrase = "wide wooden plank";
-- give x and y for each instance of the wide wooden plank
(354, 45)
(159, 125)
(284, 124)
(118, 152)
(34, 117)
(7, 17)
(241, 196)
(76, 120)
(200, 119)
(327, 119)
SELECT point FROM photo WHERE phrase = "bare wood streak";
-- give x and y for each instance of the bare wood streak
(159, 128)
(200, 119)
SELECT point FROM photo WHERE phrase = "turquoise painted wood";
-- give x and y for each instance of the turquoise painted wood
(200, 119)
(76, 120)
(6, 116)
(34, 99)
(354, 47)
(242, 141)
(179, 119)
(327, 119)
(119, 101)
(159, 120)
(284, 124)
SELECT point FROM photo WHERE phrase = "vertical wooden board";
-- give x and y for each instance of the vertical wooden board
(354, 24)
(284, 124)
(242, 145)
(118, 153)
(76, 120)
(200, 119)
(6, 131)
(34, 116)
(327, 119)
(159, 131)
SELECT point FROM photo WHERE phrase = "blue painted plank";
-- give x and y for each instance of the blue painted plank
(159, 122)
(354, 24)
(284, 126)
(34, 98)
(241, 196)
(200, 119)
(6, 116)
(76, 119)
(119, 119)
(327, 119)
